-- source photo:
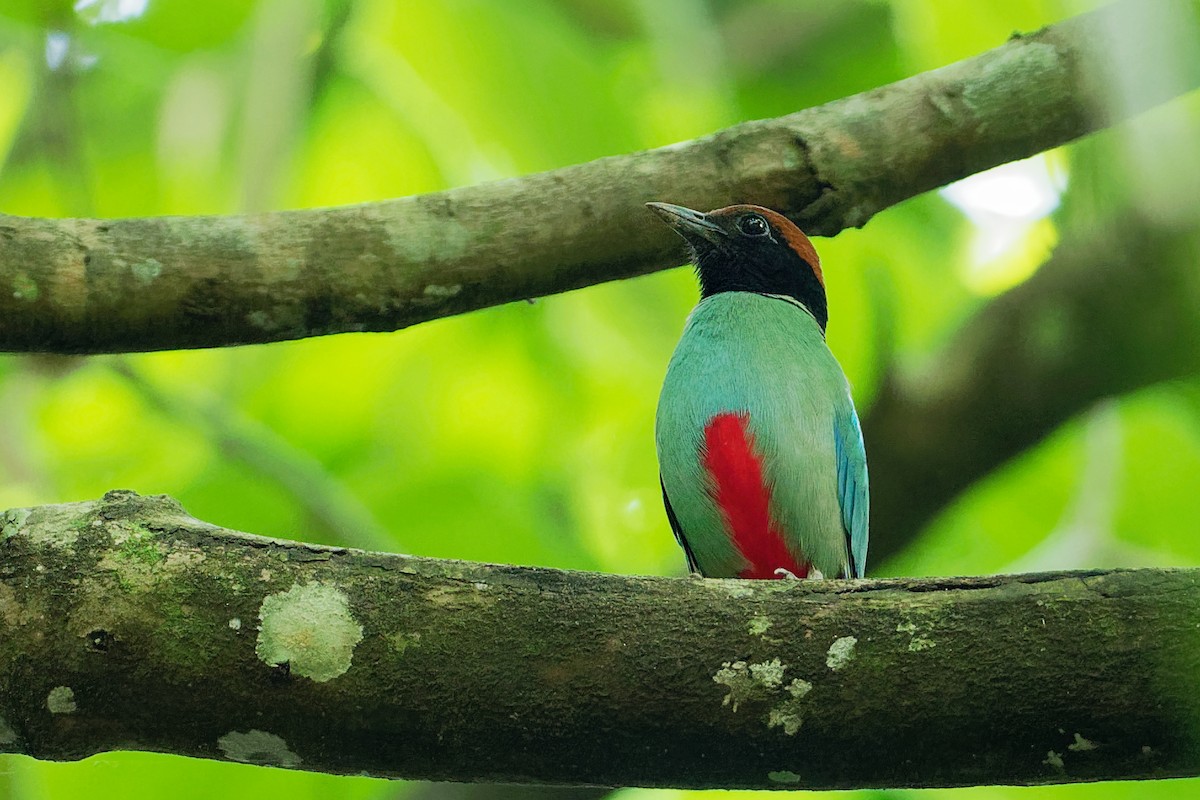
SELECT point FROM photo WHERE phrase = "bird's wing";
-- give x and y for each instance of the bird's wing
(852, 484)
(687, 550)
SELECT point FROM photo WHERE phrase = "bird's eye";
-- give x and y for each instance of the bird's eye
(753, 225)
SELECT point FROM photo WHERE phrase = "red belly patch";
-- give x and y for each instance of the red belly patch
(744, 498)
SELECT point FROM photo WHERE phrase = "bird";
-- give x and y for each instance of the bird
(761, 456)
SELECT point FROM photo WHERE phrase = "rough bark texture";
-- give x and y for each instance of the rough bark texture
(128, 624)
(85, 286)
(1115, 309)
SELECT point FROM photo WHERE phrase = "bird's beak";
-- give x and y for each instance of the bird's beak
(689, 224)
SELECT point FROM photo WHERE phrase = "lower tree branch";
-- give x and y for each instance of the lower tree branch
(86, 286)
(126, 624)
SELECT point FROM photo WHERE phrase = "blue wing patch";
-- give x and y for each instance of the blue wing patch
(852, 484)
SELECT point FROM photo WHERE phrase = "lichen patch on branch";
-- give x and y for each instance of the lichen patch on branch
(310, 628)
(1081, 745)
(783, 776)
(401, 641)
(25, 288)
(146, 271)
(917, 641)
(763, 681)
(419, 238)
(789, 713)
(841, 652)
(61, 700)
(11, 522)
(258, 747)
(442, 292)
(747, 681)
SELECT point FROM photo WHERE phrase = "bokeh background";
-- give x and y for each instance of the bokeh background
(523, 434)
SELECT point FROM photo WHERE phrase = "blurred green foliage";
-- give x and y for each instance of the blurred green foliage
(519, 434)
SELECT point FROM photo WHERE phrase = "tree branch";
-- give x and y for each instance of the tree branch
(128, 625)
(77, 286)
(1115, 309)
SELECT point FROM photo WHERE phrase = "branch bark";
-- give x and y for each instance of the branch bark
(129, 625)
(87, 286)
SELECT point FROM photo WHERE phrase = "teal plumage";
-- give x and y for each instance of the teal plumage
(760, 451)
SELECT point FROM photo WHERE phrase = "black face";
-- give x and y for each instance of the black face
(743, 249)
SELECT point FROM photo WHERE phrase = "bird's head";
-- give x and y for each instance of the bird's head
(746, 248)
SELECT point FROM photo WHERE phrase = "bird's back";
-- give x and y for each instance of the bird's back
(747, 440)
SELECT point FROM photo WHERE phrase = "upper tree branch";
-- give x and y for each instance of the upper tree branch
(147, 284)
(126, 624)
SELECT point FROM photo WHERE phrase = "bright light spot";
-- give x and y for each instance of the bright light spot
(634, 511)
(1008, 207)
(1023, 190)
(96, 12)
(57, 46)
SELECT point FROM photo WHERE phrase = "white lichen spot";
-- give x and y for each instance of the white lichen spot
(24, 288)
(442, 292)
(56, 526)
(916, 642)
(257, 747)
(264, 575)
(235, 624)
(457, 596)
(309, 628)
(1081, 745)
(748, 681)
(783, 776)
(12, 521)
(841, 652)
(432, 238)
(1053, 759)
(61, 700)
(401, 641)
(788, 714)
(7, 734)
(785, 718)
(146, 271)
(768, 674)
(759, 624)
(734, 676)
